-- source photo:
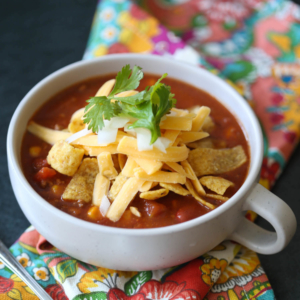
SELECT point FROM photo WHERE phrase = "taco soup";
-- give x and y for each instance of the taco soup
(137, 151)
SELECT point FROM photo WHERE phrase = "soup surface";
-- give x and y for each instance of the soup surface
(171, 209)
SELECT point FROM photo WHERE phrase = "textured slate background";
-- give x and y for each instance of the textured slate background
(38, 37)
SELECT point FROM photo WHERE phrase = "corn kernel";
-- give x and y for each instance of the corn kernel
(35, 151)
(57, 190)
(94, 212)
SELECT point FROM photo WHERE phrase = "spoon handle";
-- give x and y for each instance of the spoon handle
(8, 259)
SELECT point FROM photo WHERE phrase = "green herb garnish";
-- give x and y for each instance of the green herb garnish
(148, 106)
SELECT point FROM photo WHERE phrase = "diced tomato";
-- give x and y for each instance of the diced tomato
(154, 209)
(186, 213)
(39, 163)
(44, 173)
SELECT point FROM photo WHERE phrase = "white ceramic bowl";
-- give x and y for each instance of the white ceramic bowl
(144, 249)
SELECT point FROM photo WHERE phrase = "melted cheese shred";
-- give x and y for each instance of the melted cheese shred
(125, 196)
(128, 146)
(131, 170)
(48, 135)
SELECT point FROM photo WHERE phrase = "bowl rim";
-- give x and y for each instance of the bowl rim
(248, 183)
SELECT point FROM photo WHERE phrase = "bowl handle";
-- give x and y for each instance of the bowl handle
(275, 211)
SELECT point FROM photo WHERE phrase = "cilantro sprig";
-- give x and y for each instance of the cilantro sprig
(148, 106)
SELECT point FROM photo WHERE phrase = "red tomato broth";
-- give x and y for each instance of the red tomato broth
(169, 210)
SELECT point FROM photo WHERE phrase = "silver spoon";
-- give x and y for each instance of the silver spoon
(8, 259)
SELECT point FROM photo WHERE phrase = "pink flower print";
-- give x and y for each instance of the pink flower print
(224, 10)
(138, 13)
(276, 118)
(168, 290)
(56, 292)
(116, 294)
(277, 99)
(166, 42)
(155, 290)
(118, 48)
(290, 136)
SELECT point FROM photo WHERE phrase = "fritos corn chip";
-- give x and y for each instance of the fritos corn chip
(205, 161)
(82, 184)
(153, 195)
(216, 184)
(175, 187)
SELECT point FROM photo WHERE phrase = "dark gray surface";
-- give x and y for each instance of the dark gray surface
(38, 37)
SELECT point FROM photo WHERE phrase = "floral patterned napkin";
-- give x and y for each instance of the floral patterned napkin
(254, 45)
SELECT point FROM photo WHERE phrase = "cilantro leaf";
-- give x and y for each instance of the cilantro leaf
(98, 109)
(127, 79)
(165, 104)
(146, 119)
(153, 95)
(150, 114)
(134, 99)
(148, 106)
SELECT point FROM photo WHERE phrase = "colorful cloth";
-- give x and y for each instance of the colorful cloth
(229, 271)
(252, 44)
